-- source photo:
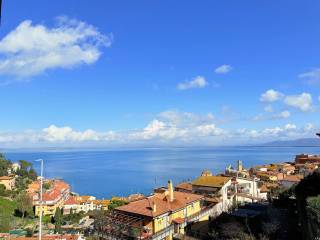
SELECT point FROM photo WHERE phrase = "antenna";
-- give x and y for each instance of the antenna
(0, 10)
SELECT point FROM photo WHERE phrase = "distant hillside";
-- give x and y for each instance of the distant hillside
(303, 142)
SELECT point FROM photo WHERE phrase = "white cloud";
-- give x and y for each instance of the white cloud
(185, 119)
(32, 49)
(271, 96)
(223, 69)
(268, 108)
(311, 77)
(197, 82)
(283, 114)
(288, 131)
(209, 130)
(62, 134)
(303, 101)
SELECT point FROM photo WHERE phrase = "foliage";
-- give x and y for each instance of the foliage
(7, 208)
(73, 217)
(313, 207)
(4, 165)
(26, 170)
(114, 203)
(46, 185)
(306, 192)
(58, 219)
(3, 191)
(313, 214)
(24, 204)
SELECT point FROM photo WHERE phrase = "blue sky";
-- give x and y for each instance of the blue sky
(158, 72)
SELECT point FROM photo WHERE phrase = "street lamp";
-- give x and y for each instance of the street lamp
(41, 183)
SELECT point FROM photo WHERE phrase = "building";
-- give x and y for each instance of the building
(217, 190)
(286, 168)
(50, 237)
(53, 198)
(269, 176)
(305, 158)
(225, 192)
(306, 168)
(238, 172)
(84, 204)
(184, 187)
(162, 215)
(8, 182)
(291, 180)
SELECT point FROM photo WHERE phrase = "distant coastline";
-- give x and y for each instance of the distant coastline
(301, 142)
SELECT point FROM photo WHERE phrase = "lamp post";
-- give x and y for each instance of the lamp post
(41, 184)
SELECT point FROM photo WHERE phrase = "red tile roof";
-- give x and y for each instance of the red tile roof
(160, 200)
(6, 178)
(184, 186)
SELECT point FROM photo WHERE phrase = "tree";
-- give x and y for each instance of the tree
(4, 165)
(3, 191)
(114, 203)
(58, 218)
(25, 165)
(24, 204)
(313, 213)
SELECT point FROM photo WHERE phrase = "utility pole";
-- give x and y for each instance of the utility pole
(41, 189)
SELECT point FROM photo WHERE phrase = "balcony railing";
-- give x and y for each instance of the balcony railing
(163, 233)
(203, 212)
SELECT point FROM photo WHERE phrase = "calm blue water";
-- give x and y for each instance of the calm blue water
(121, 172)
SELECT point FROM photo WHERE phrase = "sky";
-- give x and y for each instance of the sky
(158, 72)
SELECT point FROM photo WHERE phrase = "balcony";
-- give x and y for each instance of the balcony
(207, 211)
(163, 233)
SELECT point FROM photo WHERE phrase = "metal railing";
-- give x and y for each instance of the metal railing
(163, 233)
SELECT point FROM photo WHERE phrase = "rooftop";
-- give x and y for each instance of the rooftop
(6, 178)
(144, 206)
(185, 186)
(211, 181)
(293, 178)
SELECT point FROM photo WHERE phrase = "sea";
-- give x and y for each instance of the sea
(120, 172)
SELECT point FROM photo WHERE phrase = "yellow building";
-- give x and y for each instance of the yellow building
(8, 182)
(52, 198)
(167, 213)
(267, 176)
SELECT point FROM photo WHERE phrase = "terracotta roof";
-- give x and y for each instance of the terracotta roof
(264, 189)
(185, 186)
(293, 178)
(72, 200)
(211, 181)
(51, 237)
(163, 205)
(101, 202)
(6, 178)
(178, 220)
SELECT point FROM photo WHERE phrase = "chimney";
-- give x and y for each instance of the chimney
(154, 207)
(170, 190)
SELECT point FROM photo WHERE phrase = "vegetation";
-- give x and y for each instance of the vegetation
(7, 219)
(4, 165)
(114, 203)
(24, 205)
(307, 193)
(57, 220)
(16, 205)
